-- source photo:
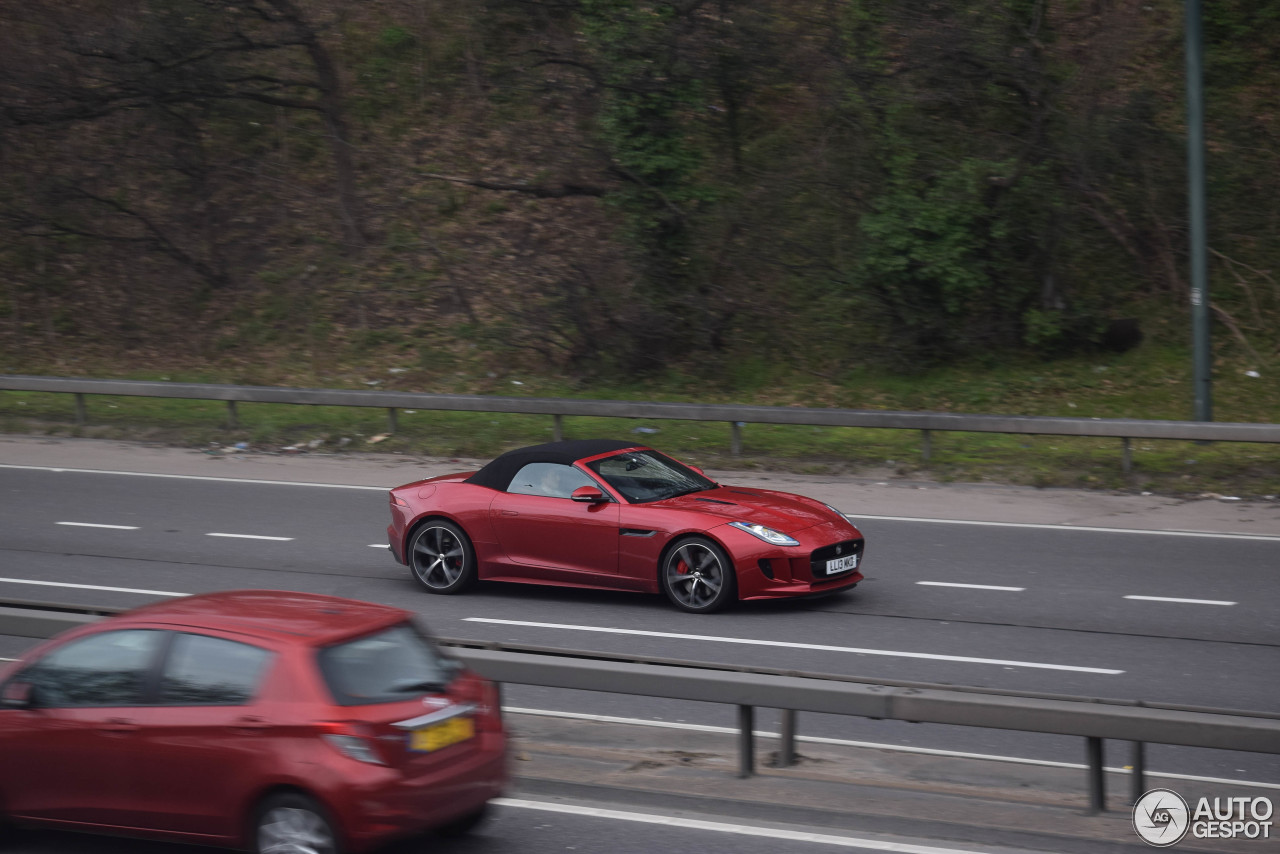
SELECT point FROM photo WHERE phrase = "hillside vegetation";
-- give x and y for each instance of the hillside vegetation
(733, 193)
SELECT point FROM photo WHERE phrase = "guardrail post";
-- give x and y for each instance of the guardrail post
(80, 416)
(557, 428)
(1138, 761)
(746, 741)
(391, 420)
(232, 420)
(1096, 774)
(787, 749)
(735, 438)
(1126, 463)
(926, 445)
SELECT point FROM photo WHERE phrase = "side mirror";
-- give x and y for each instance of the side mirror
(588, 495)
(698, 470)
(18, 695)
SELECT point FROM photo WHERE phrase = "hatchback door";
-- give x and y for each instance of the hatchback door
(76, 746)
(203, 746)
(540, 526)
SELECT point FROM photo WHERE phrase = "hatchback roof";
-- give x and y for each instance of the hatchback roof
(312, 616)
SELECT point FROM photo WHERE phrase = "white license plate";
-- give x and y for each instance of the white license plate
(842, 564)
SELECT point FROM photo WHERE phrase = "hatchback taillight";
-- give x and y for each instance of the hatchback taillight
(484, 694)
(352, 739)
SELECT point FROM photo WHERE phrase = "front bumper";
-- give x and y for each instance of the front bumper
(766, 571)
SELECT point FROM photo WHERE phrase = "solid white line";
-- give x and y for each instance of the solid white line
(873, 745)
(791, 645)
(1181, 601)
(251, 537)
(725, 827)
(197, 477)
(1086, 528)
(91, 587)
(970, 586)
(97, 525)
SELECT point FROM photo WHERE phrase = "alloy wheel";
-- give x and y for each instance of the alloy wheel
(294, 830)
(696, 577)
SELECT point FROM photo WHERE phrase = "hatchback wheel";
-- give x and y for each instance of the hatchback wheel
(698, 576)
(441, 557)
(293, 824)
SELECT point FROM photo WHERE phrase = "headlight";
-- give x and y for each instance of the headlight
(776, 538)
(834, 510)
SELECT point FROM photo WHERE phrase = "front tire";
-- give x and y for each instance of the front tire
(698, 576)
(441, 557)
(293, 823)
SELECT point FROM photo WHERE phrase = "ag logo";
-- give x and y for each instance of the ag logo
(1161, 818)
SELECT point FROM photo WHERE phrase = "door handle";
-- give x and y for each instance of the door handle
(118, 726)
(249, 725)
(509, 513)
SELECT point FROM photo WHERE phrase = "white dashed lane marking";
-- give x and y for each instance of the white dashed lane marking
(1177, 601)
(251, 537)
(971, 586)
(98, 525)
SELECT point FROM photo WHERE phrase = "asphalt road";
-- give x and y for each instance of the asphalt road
(1048, 603)
(544, 827)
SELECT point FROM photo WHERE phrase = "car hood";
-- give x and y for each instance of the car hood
(781, 511)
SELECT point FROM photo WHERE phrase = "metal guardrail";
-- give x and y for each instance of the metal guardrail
(749, 688)
(736, 415)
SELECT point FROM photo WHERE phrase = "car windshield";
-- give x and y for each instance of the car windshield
(642, 476)
(387, 666)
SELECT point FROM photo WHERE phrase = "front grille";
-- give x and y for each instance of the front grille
(818, 559)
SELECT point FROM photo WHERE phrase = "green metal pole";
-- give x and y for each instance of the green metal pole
(1202, 357)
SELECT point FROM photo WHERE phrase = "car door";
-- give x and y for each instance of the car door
(74, 751)
(539, 526)
(203, 746)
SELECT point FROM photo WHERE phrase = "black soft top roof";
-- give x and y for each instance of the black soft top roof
(498, 473)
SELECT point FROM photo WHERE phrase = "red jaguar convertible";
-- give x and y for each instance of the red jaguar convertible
(614, 515)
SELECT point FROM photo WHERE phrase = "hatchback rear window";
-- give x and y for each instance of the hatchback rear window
(384, 667)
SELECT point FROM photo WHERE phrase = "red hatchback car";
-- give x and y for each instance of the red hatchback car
(273, 721)
(615, 515)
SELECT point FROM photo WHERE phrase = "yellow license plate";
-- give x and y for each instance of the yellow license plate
(442, 734)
